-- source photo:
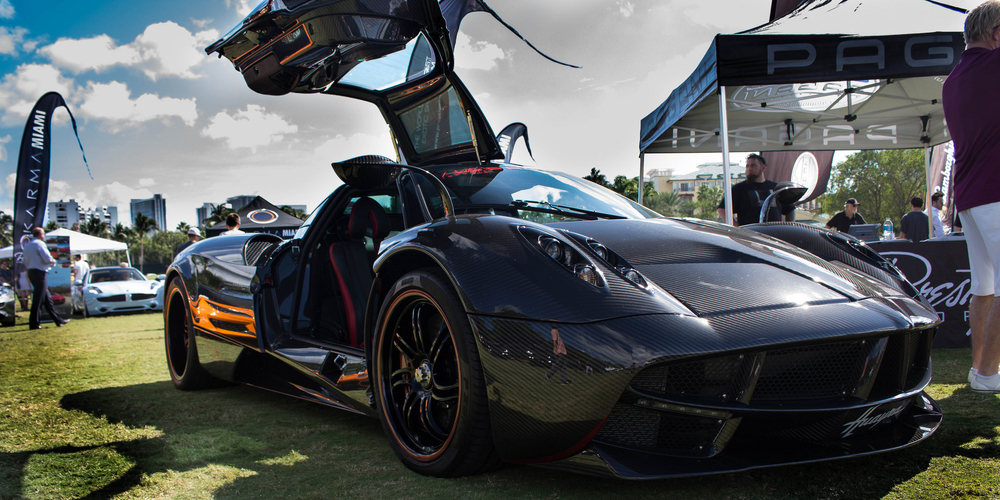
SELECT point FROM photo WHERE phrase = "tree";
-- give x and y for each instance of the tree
(219, 213)
(630, 188)
(142, 226)
(667, 203)
(183, 227)
(6, 229)
(51, 226)
(882, 181)
(597, 178)
(298, 214)
(95, 227)
(707, 206)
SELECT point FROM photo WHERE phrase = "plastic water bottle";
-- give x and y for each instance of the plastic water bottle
(887, 233)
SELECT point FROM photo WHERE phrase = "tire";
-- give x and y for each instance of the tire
(182, 350)
(429, 388)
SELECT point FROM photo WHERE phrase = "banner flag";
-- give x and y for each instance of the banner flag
(940, 174)
(31, 189)
(454, 11)
(509, 136)
(806, 168)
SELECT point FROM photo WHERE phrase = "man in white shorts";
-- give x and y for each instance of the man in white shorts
(972, 110)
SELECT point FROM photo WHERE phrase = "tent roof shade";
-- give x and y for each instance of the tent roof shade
(874, 84)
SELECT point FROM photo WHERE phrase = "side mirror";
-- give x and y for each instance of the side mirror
(784, 194)
(78, 282)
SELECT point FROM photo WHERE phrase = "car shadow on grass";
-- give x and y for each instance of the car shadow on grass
(243, 442)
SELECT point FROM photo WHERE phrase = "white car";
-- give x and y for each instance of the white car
(107, 290)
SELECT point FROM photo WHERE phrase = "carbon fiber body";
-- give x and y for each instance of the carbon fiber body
(736, 350)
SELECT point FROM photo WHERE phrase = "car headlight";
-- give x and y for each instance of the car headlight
(612, 259)
(564, 253)
(93, 289)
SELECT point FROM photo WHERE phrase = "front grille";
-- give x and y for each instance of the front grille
(714, 379)
(112, 298)
(143, 296)
(663, 432)
(821, 371)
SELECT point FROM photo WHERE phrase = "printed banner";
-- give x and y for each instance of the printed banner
(31, 189)
(940, 174)
(940, 272)
(805, 168)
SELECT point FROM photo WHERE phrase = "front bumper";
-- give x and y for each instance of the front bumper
(668, 395)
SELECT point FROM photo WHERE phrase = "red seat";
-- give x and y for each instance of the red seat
(352, 264)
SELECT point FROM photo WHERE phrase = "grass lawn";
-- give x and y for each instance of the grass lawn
(88, 411)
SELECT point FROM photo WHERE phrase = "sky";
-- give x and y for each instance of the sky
(156, 115)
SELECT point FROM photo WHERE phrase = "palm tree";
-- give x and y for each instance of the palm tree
(52, 226)
(597, 177)
(6, 229)
(183, 227)
(298, 214)
(219, 213)
(142, 226)
(95, 227)
(121, 233)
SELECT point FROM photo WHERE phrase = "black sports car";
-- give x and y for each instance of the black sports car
(487, 312)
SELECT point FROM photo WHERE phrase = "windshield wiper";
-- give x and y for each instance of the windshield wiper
(564, 210)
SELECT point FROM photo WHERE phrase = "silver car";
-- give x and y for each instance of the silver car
(107, 290)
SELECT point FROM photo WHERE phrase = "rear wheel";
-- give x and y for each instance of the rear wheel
(182, 351)
(430, 391)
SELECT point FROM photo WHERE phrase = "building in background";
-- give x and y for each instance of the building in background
(238, 202)
(155, 208)
(68, 213)
(203, 212)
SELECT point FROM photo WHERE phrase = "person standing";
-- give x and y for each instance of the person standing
(193, 236)
(937, 203)
(232, 225)
(843, 220)
(914, 223)
(749, 195)
(6, 275)
(38, 261)
(80, 268)
(972, 110)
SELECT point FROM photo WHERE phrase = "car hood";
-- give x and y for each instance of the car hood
(395, 54)
(118, 287)
(715, 269)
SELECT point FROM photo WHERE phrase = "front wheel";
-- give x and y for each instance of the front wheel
(429, 387)
(182, 351)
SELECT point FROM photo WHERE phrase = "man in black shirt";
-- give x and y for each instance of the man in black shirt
(849, 217)
(914, 225)
(749, 195)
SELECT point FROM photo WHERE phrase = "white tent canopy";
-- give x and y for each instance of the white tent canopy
(78, 243)
(851, 74)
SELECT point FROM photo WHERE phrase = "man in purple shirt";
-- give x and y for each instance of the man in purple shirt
(972, 110)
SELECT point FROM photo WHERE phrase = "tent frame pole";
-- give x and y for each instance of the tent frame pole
(727, 180)
(642, 174)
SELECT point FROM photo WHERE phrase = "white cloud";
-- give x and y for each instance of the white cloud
(341, 148)
(171, 50)
(11, 183)
(163, 49)
(248, 128)
(11, 38)
(20, 90)
(200, 23)
(113, 102)
(478, 55)
(3, 149)
(97, 53)
(626, 8)
(146, 182)
(6, 9)
(243, 7)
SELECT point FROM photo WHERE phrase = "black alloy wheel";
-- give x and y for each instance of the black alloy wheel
(182, 351)
(430, 391)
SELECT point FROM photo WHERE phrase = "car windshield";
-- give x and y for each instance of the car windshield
(122, 274)
(535, 194)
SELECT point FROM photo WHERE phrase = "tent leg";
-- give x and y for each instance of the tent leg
(642, 174)
(727, 182)
(927, 182)
(128, 256)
